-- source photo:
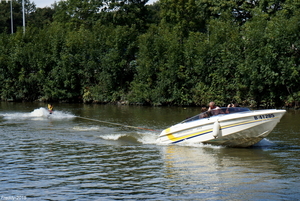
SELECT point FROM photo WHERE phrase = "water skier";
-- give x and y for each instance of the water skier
(50, 108)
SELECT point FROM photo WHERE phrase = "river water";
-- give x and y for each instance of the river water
(64, 157)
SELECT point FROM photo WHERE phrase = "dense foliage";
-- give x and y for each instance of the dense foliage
(175, 52)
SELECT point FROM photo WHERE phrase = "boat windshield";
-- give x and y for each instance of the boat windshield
(215, 112)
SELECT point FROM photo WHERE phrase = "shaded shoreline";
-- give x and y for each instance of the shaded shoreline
(126, 103)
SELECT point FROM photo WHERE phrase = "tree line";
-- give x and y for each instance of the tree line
(173, 52)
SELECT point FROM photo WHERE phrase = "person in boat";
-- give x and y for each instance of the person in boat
(231, 105)
(213, 109)
(203, 113)
(50, 108)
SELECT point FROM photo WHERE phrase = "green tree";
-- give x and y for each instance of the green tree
(75, 13)
(131, 13)
(41, 17)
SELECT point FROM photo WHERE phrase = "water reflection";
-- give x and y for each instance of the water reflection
(223, 173)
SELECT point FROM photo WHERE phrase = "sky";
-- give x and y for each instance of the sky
(44, 3)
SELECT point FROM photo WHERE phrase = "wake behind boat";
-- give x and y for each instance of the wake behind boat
(233, 127)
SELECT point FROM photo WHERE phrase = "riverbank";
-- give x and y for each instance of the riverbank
(127, 103)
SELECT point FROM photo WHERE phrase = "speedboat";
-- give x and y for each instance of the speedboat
(232, 127)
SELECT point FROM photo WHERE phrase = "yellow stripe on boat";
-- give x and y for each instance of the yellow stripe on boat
(173, 138)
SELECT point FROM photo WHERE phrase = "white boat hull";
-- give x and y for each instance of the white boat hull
(234, 130)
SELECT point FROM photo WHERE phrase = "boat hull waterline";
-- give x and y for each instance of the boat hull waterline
(238, 129)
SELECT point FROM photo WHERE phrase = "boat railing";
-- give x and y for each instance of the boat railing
(216, 112)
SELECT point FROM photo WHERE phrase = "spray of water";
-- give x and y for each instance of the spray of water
(38, 114)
